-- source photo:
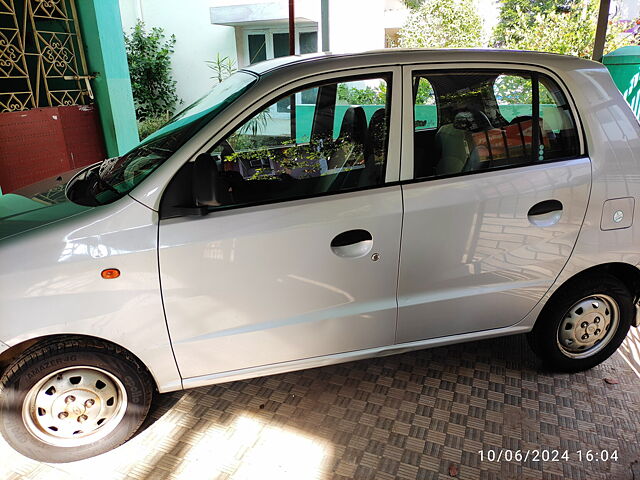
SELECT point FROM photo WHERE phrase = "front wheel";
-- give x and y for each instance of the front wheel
(583, 324)
(66, 400)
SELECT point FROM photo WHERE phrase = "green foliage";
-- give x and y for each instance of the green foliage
(304, 159)
(222, 67)
(257, 124)
(413, 4)
(443, 24)
(566, 32)
(514, 13)
(362, 96)
(150, 124)
(513, 90)
(516, 90)
(149, 58)
(425, 94)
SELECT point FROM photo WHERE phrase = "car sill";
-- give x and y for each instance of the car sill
(276, 368)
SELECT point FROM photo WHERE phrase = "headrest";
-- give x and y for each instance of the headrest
(463, 121)
(473, 121)
(354, 124)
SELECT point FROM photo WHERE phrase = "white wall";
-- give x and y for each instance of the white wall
(625, 9)
(197, 40)
(356, 25)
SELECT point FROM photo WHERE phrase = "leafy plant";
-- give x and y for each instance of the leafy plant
(413, 4)
(425, 94)
(222, 67)
(515, 13)
(257, 124)
(149, 57)
(443, 24)
(150, 124)
(568, 31)
(362, 96)
(516, 90)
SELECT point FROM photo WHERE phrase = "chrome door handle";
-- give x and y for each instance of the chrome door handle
(352, 243)
(546, 213)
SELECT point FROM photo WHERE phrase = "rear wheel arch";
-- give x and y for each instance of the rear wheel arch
(628, 274)
(586, 319)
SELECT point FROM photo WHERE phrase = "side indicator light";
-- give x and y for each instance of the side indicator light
(110, 273)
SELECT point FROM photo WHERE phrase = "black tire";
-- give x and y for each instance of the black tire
(44, 359)
(543, 339)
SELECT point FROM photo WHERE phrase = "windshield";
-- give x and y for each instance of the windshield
(117, 176)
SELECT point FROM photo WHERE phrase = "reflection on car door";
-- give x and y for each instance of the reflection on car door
(257, 284)
(485, 236)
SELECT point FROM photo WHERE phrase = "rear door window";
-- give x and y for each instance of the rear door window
(492, 119)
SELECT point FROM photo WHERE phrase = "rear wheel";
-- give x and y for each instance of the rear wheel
(71, 399)
(583, 324)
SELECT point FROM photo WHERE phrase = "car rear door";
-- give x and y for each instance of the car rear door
(494, 195)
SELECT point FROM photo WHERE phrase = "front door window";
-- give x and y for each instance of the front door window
(333, 140)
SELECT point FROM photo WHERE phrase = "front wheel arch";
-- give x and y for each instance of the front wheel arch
(67, 392)
(14, 352)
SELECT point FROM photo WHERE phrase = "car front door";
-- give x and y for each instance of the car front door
(495, 196)
(300, 258)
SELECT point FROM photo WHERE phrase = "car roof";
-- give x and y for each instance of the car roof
(397, 56)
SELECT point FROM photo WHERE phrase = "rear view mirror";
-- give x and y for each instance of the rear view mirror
(206, 181)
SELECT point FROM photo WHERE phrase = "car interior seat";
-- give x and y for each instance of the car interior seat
(374, 148)
(351, 139)
(455, 143)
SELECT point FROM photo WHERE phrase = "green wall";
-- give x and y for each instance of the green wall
(624, 66)
(101, 29)
(425, 114)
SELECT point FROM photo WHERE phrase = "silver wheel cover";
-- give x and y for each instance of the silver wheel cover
(588, 326)
(74, 406)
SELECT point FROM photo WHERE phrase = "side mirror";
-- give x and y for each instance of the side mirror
(206, 181)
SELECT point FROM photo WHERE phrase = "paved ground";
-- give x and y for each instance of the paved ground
(421, 415)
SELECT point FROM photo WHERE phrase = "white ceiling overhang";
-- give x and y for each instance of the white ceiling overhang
(262, 13)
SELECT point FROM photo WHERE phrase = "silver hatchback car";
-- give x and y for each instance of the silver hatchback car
(320, 209)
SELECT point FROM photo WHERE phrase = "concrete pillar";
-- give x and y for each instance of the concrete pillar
(103, 38)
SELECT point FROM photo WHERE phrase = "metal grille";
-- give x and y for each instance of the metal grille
(42, 61)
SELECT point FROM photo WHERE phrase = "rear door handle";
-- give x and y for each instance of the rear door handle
(546, 213)
(352, 243)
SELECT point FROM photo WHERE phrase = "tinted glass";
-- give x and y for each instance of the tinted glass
(308, 42)
(257, 48)
(425, 123)
(118, 176)
(280, 44)
(336, 143)
(485, 120)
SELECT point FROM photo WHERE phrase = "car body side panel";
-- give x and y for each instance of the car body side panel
(50, 284)
(261, 285)
(613, 142)
(471, 260)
